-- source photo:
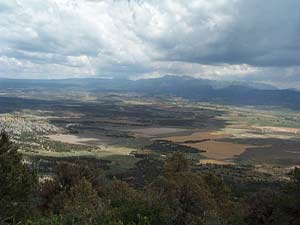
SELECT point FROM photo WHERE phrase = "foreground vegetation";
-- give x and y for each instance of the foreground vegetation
(158, 192)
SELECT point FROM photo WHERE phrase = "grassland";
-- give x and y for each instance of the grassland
(112, 126)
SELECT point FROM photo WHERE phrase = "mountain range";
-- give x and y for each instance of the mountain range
(233, 93)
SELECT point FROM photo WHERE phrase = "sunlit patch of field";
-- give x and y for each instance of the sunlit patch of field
(260, 132)
(250, 123)
(98, 152)
(137, 102)
(119, 157)
(216, 152)
(217, 162)
(75, 139)
(280, 129)
(220, 150)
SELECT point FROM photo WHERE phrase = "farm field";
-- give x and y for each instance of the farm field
(220, 150)
(123, 128)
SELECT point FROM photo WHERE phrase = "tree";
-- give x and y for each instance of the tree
(131, 206)
(295, 176)
(68, 175)
(147, 170)
(185, 195)
(82, 204)
(176, 163)
(17, 182)
(220, 192)
(261, 208)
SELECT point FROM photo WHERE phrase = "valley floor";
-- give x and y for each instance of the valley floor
(123, 128)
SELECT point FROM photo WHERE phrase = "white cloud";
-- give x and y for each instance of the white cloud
(219, 39)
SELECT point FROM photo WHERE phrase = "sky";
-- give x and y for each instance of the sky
(240, 40)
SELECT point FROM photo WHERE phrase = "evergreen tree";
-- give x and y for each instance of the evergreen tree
(17, 182)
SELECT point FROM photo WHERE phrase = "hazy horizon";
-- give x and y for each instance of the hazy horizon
(223, 39)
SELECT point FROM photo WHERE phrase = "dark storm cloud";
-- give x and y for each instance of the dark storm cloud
(259, 33)
(224, 39)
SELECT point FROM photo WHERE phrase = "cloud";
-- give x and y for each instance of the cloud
(234, 32)
(223, 39)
